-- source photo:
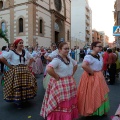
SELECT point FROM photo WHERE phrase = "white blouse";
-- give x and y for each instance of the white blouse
(61, 68)
(95, 64)
(14, 58)
(53, 54)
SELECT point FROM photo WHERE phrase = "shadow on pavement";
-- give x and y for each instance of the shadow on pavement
(105, 117)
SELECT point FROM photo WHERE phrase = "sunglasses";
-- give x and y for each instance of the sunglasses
(66, 48)
(99, 46)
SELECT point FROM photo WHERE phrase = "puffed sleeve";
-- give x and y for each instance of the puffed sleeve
(54, 63)
(73, 61)
(88, 59)
(8, 55)
(28, 55)
(51, 55)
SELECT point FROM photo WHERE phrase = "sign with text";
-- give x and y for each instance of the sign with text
(116, 30)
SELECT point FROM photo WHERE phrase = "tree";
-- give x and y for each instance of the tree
(3, 35)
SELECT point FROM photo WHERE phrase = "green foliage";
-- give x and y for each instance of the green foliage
(3, 35)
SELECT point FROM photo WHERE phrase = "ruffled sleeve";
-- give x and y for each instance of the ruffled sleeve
(8, 55)
(88, 59)
(73, 61)
(54, 63)
(28, 55)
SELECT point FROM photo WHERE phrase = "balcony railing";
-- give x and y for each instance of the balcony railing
(87, 21)
(87, 14)
(87, 36)
(87, 28)
(87, 8)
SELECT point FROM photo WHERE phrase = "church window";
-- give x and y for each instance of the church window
(68, 35)
(57, 27)
(3, 26)
(1, 5)
(41, 26)
(20, 25)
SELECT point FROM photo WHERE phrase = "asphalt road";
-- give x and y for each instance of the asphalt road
(31, 110)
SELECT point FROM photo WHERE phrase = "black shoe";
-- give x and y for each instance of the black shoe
(106, 78)
(108, 83)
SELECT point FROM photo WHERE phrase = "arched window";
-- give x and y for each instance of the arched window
(57, 28)
(68, 35)
(41, 26)
(1, 5)
(3, 26)
(20, 25)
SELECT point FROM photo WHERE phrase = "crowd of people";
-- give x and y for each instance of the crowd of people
(63, 100)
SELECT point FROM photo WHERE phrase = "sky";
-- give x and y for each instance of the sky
(102, 16)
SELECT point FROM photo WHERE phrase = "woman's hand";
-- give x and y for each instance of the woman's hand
(91, 73)
(52, 73)
(10, 66)
(57, 77)
(87, 68)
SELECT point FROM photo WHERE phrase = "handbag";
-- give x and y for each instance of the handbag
(46, 81)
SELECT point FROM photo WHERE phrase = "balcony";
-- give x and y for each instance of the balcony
(115, 4)
(87, 36)
(88, 29)
(87, 14)
(87, 8)
(87, 21)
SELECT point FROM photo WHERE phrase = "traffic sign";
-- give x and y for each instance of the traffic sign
(116, 30)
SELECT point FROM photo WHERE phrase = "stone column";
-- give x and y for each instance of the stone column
(52, 27)
(30, 24)
(12, 22)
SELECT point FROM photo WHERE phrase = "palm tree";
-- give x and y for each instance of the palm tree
(3, 35)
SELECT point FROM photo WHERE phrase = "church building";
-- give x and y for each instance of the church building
(36, 21)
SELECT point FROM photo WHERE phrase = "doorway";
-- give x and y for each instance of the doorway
(56, 37)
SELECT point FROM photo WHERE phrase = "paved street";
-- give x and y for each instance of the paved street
(8, 111)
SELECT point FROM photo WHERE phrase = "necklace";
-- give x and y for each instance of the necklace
(68, 60)
(95, 56)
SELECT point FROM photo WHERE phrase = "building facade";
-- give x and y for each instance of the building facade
(100, 36)
(81, 23)
(36, 21)
(117, 20)
(117, 12)
(95, 36)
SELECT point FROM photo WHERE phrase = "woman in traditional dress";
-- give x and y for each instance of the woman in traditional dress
(20, 84)
(49, 57)
(43, 51)
(4, 51)
(60, 100)
(30, 50)
(37, 66)
(92, 94)
(6, 68)
(54, 52)
(47, 61)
